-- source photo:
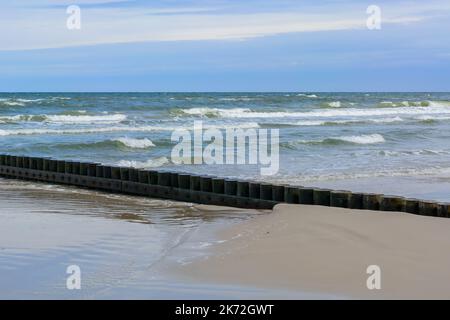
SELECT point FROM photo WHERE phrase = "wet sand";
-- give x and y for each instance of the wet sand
(327, 251)
(122, 244)
(140, 248)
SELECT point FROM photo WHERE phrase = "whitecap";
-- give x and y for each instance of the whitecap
(38, 131)
(363, 139)
(326, 113)
(135, 143)
(115, 118)
(13, 103)
(334, 104)
(151, 163)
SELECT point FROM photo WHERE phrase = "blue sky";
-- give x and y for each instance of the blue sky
(224, 45)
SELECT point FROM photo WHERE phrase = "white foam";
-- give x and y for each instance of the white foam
(61, 98)
(433, 108)
(18, 117)
(236, 99)
(135, 143)
(398, 172)
(68, 119)
(82, 119)
(120, 129)
(363, 139)
(387, 120)
(13, 103)
(310, 123)
(30, 100)
(428, 118)
(334, 104)
(151, 163)
(422, 152)
(214, 111)
(348, 121)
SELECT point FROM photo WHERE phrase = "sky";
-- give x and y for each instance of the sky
(224, 45)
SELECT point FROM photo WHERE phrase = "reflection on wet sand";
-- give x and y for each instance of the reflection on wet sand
(45, 228)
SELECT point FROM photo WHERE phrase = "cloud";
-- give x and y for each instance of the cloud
(40, 28)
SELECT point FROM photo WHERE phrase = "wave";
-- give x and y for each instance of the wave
(430, 119)
(386, 120)
(307, 95)
(311, 123)
(135, 143)
(76, 118)
(20, 102)
(12, 103)
(334, 104)
(361, 139)
(424, 103)
(341, 122)
(237, 99)
(399, 172)
(433, 108)
(38, 131)
(209, 112)
(74, 112)
(61, 98)
(30, 100)
(151, 163)
(22, 118)
(423, 152)
(116, 143)
(82, 119)
(25, 100)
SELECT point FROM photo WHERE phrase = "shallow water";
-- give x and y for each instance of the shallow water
(382, 142)
(123, 245)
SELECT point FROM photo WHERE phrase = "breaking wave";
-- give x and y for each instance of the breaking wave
(361, 139)
(151, 163)
(67, 118)
(341, 122)
(38, 131)
(135, 143)
(433, 108)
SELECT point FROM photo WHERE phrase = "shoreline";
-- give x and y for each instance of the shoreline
(327, 251)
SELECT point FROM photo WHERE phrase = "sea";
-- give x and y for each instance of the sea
(396, 143)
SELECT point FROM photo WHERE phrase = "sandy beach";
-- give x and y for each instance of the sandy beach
(132, 247)
(327, 250)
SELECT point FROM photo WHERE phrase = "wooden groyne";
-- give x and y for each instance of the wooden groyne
(203, 189)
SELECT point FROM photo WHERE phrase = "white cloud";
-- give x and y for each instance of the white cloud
(46, 28)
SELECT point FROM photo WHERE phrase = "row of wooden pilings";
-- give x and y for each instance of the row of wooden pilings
(203, 189)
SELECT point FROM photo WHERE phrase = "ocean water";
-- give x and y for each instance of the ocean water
(397, 143)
